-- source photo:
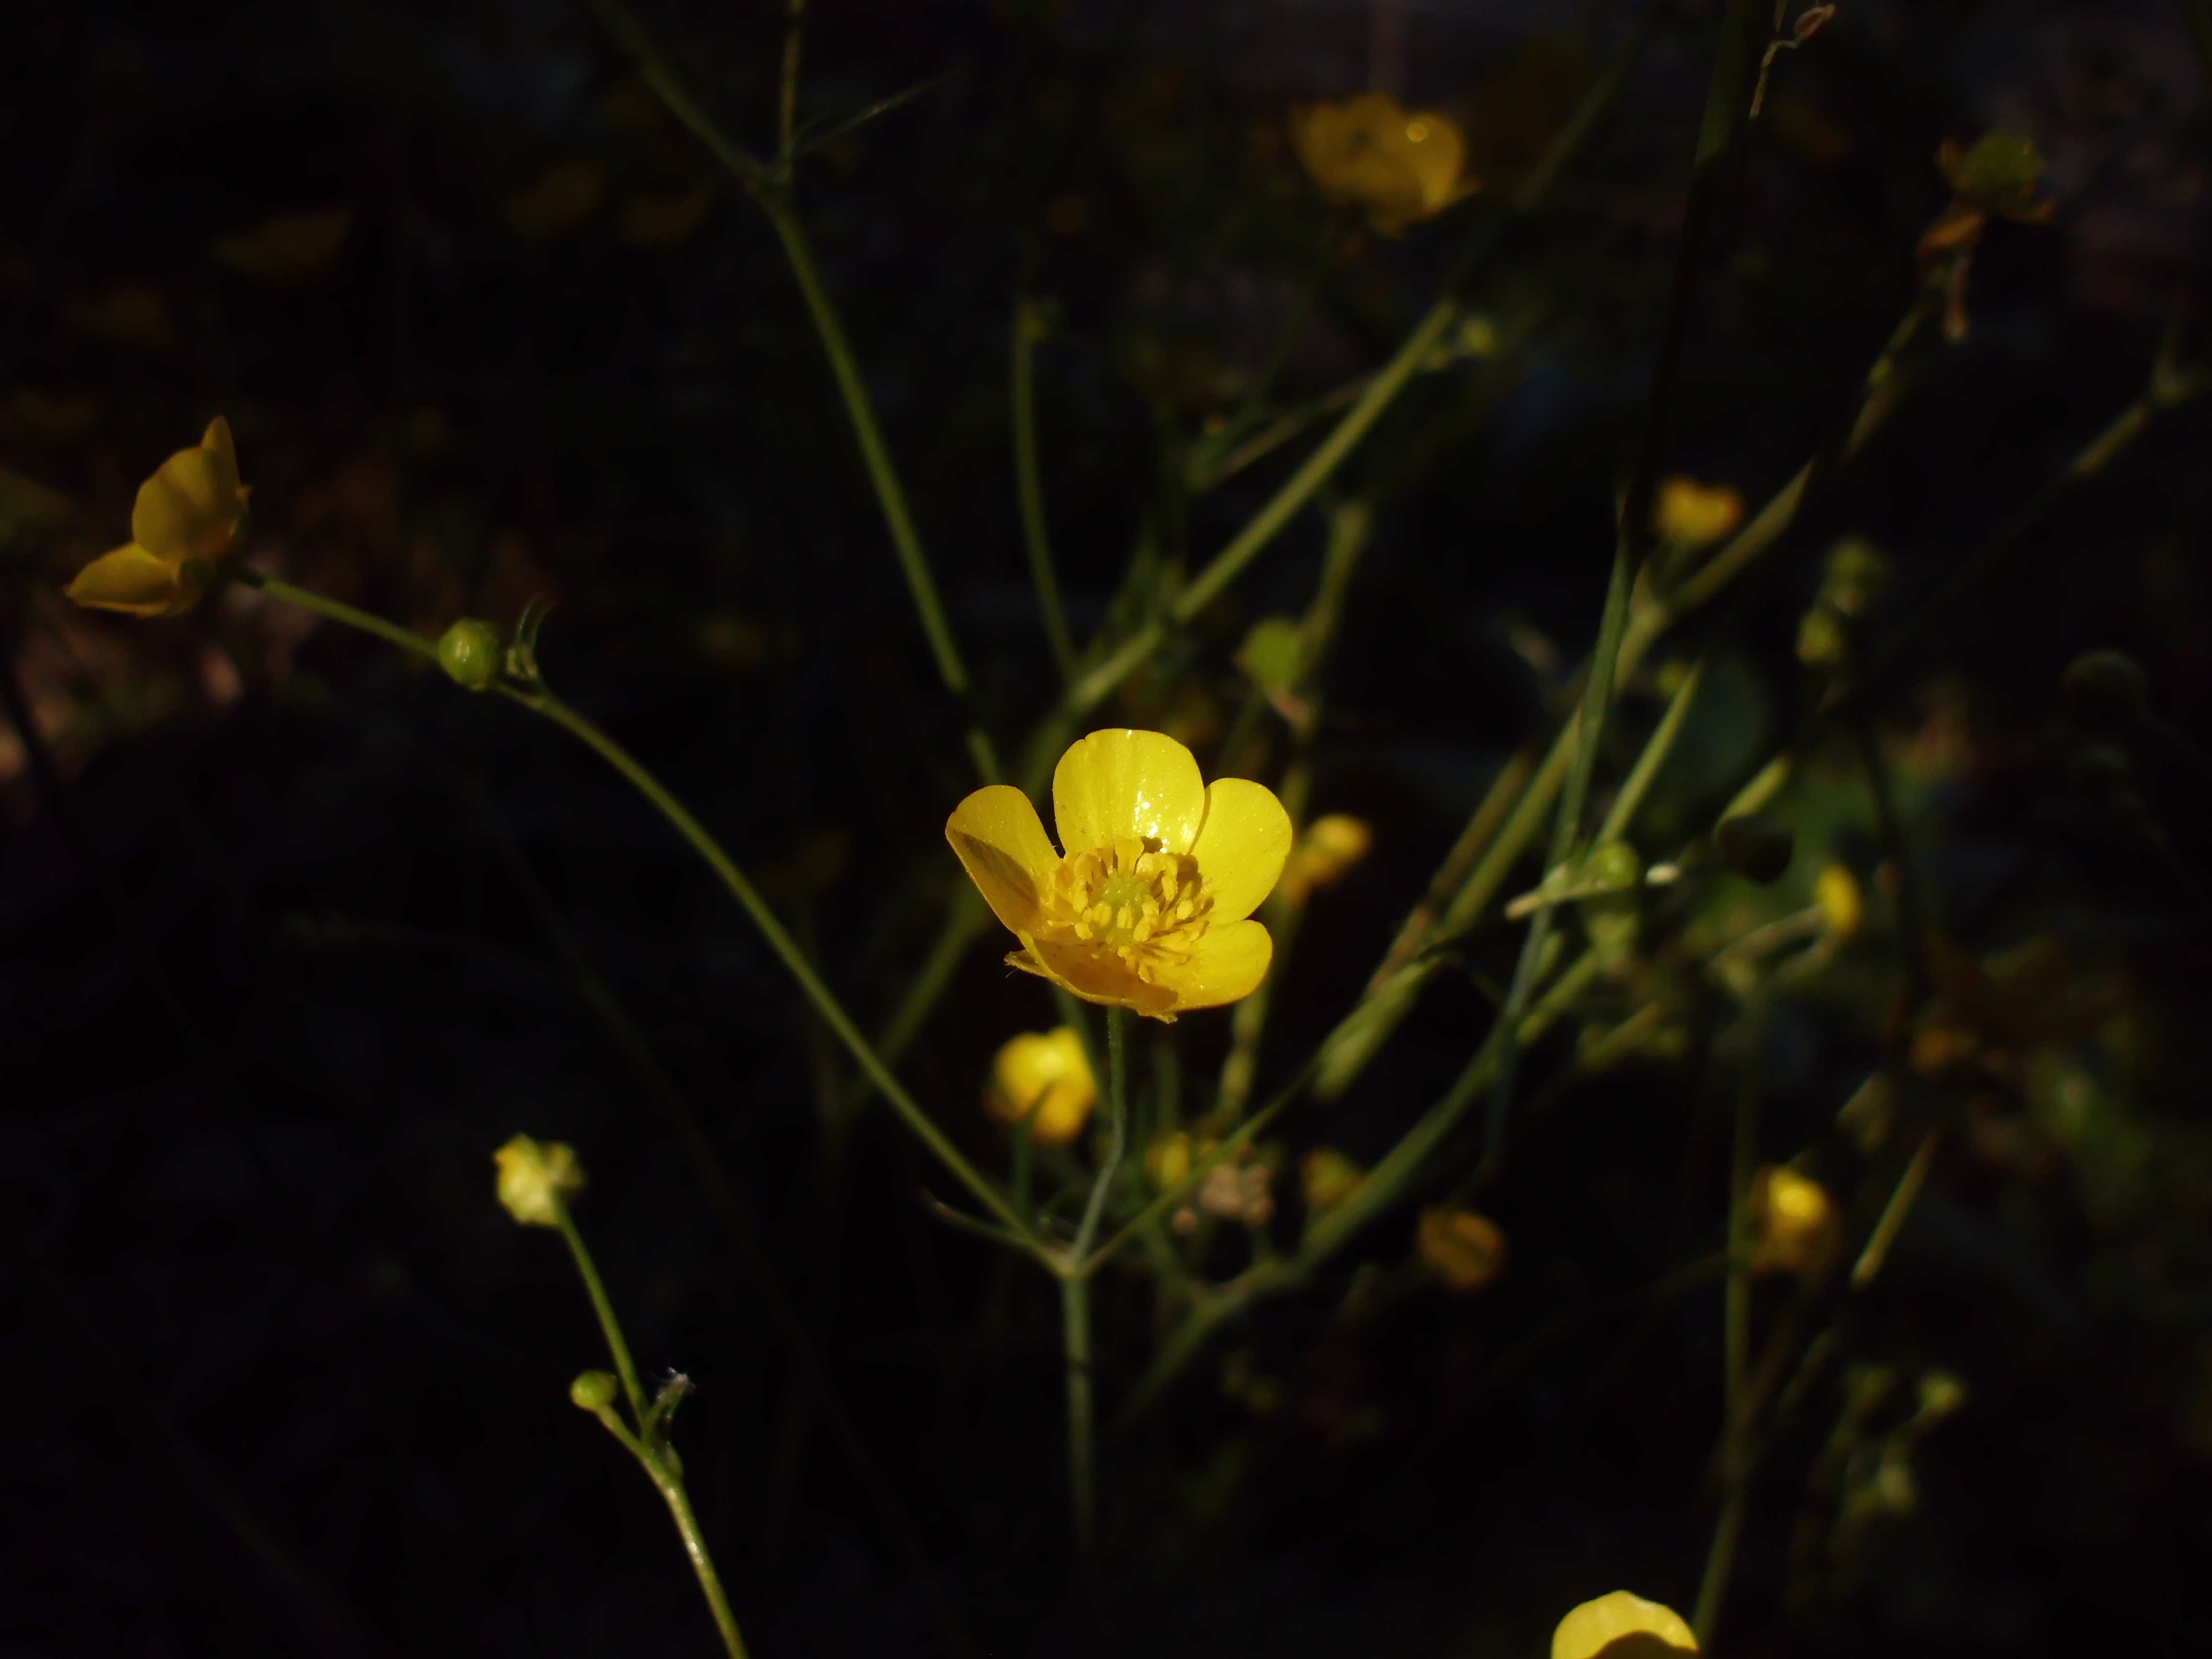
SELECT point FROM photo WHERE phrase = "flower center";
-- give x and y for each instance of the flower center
(1145, 906)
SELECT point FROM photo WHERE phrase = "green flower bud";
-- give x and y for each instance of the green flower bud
(1611, 865)
(1754, 846)
(470, 652)
(1271, 652)
(2105, 693)
(594, 1391)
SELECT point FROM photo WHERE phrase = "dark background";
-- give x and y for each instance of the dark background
(283, 958)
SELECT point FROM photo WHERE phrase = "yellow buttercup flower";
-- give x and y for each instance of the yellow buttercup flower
(187, 514)
(1045, 1077)
(1330, 846)
(1694, 515)
(1795, 1225)
(1402, 165)
(1622, 1626)
(1146, 905)
(1467, 1250)
(536, 1179)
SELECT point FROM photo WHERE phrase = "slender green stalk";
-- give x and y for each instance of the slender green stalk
(647, 1441)
(1082, 1413)
(1622, 813)
(1075, 1270)
(1869, 1264)
(787, 949)
(545, 703)
(338, 611)
(1037, 533)
(610, 1327)
(1723, 118)
(1735, 1432)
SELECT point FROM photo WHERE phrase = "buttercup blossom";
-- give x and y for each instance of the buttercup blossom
(1796, 1227)
(1695, 515)
(1045, 1076)
(1327, 852)
(535, 1179)
(1402, 165)
(1465, 1250)
(1622, 1626)
(1147, 906)
(188, 515)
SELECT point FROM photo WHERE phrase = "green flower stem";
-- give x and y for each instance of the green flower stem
(338, 611)
(794, 961)
(1036, 532)
(1622, 813)
(1737, 1408)
(610, 1327)
(1076, 1266)
(645, 1442)
(1717, 141)
(542, 701)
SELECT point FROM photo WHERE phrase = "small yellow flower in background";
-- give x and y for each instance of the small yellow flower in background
(1622, 1626)
(1328, 1177)
(1327, 852)
(1467, 1250)
(1795, 1223)
(1694, 515)
(1402, 165)
(1843, 912)
(287, 248)
(1147, 908)
(187, 514)
(535, 1179)
(1044, 1075)
(1169, 1159)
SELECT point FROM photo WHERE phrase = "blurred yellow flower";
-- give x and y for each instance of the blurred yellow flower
(1694, 515)
(283, 249)
(1836, 891)
(535, 1180)
(1467, 1250)
(1330, 846)
(1795, 1225)
(1169, 1159)
(1044, 1076)
(187, 514)
(1328, 1177)
(1402, 165)
(1622, 1626)
(1148, 906)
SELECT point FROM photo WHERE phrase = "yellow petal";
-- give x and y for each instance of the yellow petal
(1119, 783)
(1096, 975)
(190, 508)
(1045, 1076)
(1622, 1626)
(217, 441)
(1001, 843)
(132, 580)
(1241, 846)
(1228, 966)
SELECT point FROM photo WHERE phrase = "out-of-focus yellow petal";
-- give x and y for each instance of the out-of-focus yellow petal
(1622, 1626)
(1466, 1249)
(1370, 151)
(1695, 514)
(1000, 840)
(1120, 783)
(1098, 976)
(1046, 1076)
(190, 508)
(135, 582)
(1228, 965)
(1240, 847)
(536, 1179)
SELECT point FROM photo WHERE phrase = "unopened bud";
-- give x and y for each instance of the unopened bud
(470, 652)
(593, 1391)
